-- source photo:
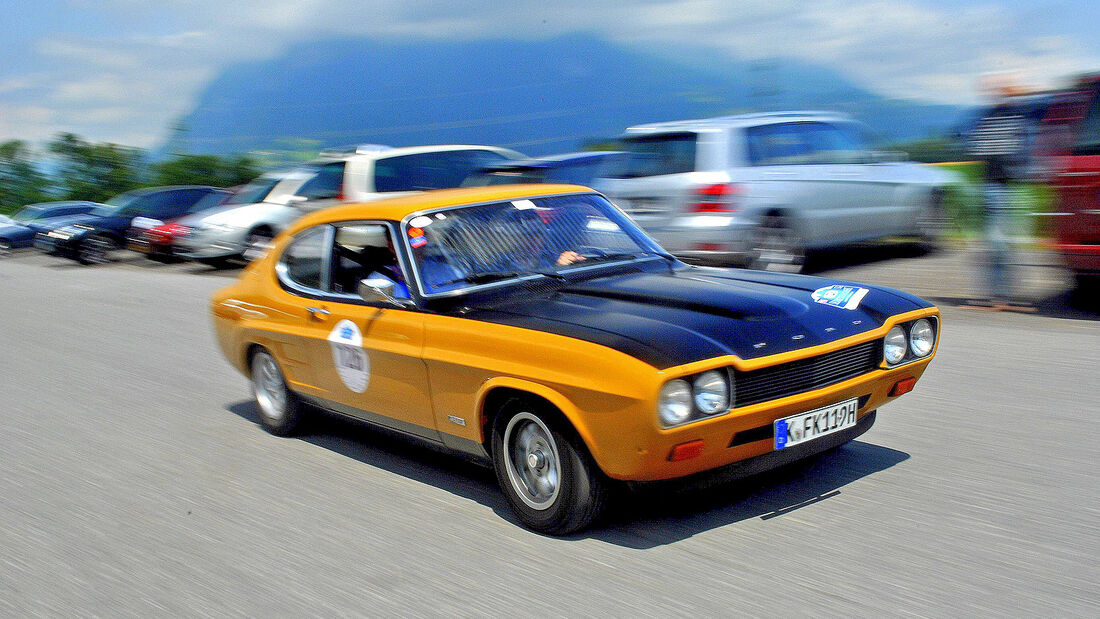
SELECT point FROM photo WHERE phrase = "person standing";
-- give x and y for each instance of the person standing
(1000, 140)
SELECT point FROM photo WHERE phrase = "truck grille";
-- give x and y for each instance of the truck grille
(786, 379)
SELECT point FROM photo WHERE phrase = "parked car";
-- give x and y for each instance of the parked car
(94, 237)
(1076, 176)
(354, 174)
(762, 189)
(18, 230)
(537, 328)
(157, 239)
(569, 169)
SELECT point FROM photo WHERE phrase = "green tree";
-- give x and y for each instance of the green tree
(95, 172)
(205, 170)
(20, 181)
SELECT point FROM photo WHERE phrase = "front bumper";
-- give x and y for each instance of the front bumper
(57, 246)
(741, 434)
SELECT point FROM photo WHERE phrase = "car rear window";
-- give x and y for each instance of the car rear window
(438, 170)
(655, 155)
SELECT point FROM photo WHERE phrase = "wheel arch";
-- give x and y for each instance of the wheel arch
(496, 392)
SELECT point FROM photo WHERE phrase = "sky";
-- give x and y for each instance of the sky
(124, 70)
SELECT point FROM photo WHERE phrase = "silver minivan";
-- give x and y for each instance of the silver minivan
(762, 189)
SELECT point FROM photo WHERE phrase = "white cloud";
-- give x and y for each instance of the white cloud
(133, 83)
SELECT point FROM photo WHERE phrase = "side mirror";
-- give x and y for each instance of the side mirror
(296, 200)
(378, 290)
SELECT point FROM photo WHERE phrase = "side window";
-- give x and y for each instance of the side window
(782, 144)
(835, 144)
(362, 251)
(179, 202)
(327, 183)
(303, 261)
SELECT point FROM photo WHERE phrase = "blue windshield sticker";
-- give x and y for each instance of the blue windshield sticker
(847, 297)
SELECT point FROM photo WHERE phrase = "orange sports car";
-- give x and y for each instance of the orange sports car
(537, 328)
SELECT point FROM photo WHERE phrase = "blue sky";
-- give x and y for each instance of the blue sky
(122, 70)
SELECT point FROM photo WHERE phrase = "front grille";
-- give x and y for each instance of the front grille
(786, 379)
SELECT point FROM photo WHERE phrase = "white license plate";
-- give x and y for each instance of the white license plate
(813, 424)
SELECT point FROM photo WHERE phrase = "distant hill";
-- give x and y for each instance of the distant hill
(538, 97)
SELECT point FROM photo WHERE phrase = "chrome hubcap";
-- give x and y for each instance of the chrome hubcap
(777, 248)
(97, 250)
(532, 461)
(270, 388)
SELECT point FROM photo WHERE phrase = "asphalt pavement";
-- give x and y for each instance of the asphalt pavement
(135, 481)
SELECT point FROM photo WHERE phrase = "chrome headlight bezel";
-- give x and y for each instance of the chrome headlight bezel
(896, 342)
(910, 353)
(675, 403)
(698, 386)
(922, 338)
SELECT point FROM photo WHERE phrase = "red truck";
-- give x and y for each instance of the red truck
(1075, 120)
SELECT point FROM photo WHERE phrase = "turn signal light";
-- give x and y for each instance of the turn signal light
(685, 451)
(903, 386)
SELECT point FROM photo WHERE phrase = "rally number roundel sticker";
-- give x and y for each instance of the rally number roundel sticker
(352, 363)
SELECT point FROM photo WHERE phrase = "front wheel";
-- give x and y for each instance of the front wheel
(257, 244)
(932, 226)
(545, 471)
(5, 247)
(98, 249)
(280, 409)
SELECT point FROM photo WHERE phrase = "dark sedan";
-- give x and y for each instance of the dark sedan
(19, 229)
(94, 237)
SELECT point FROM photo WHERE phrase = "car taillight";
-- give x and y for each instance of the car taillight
(716, 198)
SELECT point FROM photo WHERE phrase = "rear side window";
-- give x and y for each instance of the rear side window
(303, 262)
(668, 153)
(327, 183)
(439, 170)
(1088, 134)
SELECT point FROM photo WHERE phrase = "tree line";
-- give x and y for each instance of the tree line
(77, 169)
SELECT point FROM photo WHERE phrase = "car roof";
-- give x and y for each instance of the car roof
(397, 208)
(738, 120)
(552, 161)
(373, 151)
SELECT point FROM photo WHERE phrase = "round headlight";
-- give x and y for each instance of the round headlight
(894, 346)
(921, 337)
(674, 403)
(711, 393)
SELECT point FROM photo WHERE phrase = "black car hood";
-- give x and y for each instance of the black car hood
(691, 314)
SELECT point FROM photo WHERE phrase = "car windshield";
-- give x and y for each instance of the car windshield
(116, 205)
(655, 155)
(459, 248)
(254, 192)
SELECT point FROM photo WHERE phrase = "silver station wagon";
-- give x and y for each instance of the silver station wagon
(762, 189)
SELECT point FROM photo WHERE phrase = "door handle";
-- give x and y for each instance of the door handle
(318, 313)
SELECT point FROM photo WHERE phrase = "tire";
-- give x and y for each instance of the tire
(256, 244)
(281, 411)
(777, 247)
(5, 247)
(544, 470)
(96, 249)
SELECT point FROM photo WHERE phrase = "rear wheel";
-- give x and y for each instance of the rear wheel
(280, 409)
(97, 249)
(777, 246)
(545, 471)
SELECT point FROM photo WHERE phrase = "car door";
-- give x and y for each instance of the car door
(366, 359)
(792, 175)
